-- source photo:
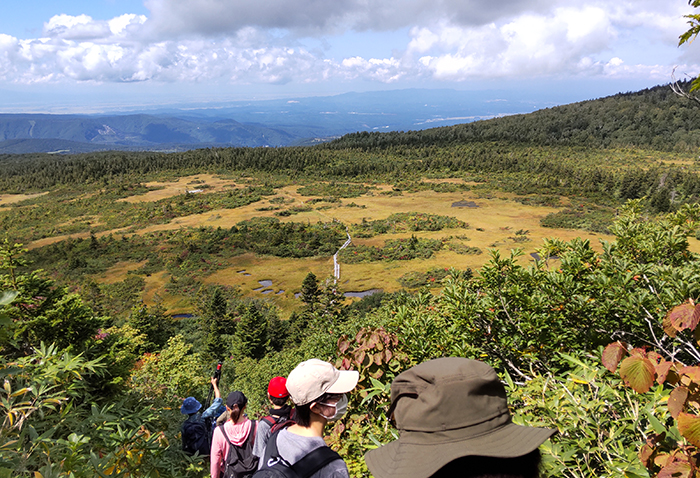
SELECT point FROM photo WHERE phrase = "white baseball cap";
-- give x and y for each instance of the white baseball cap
(311, 379)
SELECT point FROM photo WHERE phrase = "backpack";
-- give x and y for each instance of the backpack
(195, 438)
(240, 461)
(274, 466)
(277, 422)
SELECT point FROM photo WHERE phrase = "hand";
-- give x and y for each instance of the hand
(215, 386)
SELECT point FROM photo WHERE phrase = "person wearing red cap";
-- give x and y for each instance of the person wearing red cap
(280, 412)
(319, 392)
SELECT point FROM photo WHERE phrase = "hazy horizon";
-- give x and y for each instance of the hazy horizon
(101, 56)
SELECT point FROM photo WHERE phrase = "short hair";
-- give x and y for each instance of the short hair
(525, 466)
(302, 413)
(278, 401)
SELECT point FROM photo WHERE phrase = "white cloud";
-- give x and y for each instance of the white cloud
(261, 41)
(125, 23)
(75, 27)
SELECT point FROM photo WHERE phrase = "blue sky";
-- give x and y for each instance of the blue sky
(101, 55)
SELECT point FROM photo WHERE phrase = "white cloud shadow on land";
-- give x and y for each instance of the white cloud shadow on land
(204, 40)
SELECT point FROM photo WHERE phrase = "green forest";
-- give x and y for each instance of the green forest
(596, 336)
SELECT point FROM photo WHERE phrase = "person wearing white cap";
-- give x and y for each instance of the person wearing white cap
(319, 392)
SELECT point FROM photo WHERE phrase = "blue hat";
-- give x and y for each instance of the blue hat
(190, 405)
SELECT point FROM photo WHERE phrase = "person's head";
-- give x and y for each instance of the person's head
(235, 404)
(190, 406)
(277, 391)
(525, 466)
(318, 390)
(453, 420)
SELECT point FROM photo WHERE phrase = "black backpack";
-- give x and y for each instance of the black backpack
(304, 468)
(240, 461)
(195, 438)
(277, 422)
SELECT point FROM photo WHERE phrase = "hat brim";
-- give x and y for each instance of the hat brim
(420, 455)
(347, 380)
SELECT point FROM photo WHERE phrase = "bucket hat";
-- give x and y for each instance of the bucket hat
(445, 409)
(190, 405)
(311, 379)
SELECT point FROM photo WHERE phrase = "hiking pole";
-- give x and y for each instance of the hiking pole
(217, 376)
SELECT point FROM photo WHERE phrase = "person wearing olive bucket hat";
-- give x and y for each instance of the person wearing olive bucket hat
(453, 420)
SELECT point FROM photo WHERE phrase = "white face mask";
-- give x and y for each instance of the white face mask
(340, 408)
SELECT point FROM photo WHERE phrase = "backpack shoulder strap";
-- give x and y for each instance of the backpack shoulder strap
(225, 435)
(270, 420)
(282, 425)
(271, 451)
(253, 431)
(314, 461)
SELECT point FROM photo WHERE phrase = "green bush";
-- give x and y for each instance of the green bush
(393, 250)
(406, 221)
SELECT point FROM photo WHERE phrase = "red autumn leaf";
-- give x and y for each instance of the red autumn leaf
(373, 339)
(662, 459)
(645, 454)
(662, 370)
(612, 355)
(668, 327)
(638, 352)
(638, 373)
(655, 358)
(689, 426)
(676, 401)
(675, 470)
(683, 317)
(693, 373)
(343, 344)
(388, 355)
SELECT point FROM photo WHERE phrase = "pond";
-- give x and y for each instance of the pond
(363, 293)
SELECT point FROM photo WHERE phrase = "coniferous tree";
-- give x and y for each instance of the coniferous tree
(154, 324)
(251, 334)
(277, 331)
(309, 290)
(331, 307)
(220, 328)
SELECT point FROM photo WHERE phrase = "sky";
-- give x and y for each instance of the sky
(102, 55)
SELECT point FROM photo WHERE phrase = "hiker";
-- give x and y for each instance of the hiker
(195, 433)
(232, 444)
(453, 421)
(318, 391)
(280, 414)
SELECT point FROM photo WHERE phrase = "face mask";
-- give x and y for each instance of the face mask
(340, 408)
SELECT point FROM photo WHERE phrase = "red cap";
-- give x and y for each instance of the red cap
(278, 387)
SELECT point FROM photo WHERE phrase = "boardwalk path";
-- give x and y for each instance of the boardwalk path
(336, 266)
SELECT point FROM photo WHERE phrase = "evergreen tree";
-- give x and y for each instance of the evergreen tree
(277, 331)
(218, 305)
(154, 324)
(297, 328)
(251, 334)
(309, 290)
(220, 328)
(331, 308)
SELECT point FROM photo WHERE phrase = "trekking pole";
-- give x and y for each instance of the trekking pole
(217, 376)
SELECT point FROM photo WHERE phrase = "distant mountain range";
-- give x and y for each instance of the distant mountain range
(271, 123)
